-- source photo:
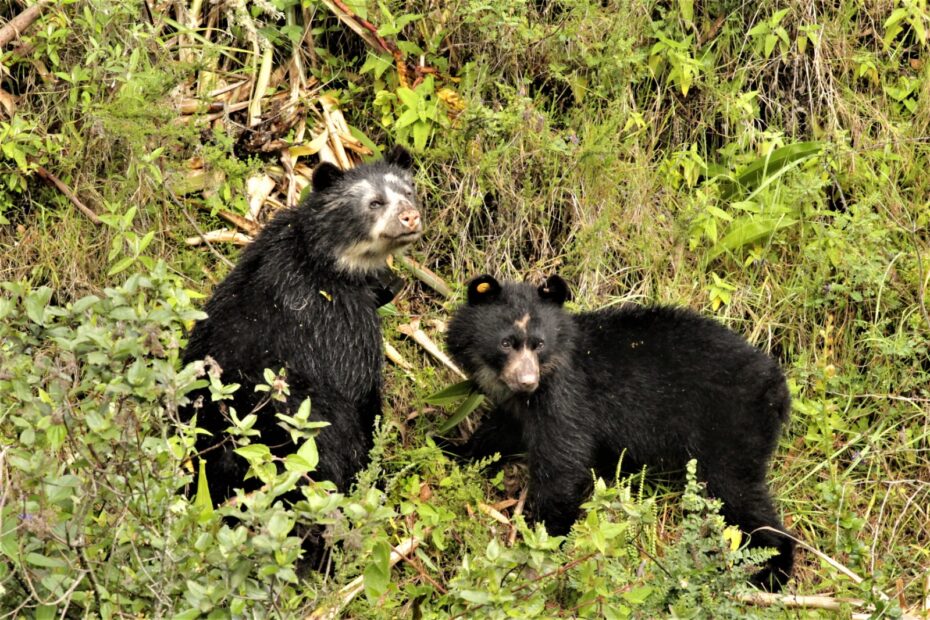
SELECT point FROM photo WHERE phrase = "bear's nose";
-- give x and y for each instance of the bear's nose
(410, 218)
(528, 382)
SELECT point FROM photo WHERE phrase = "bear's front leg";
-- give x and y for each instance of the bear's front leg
(560, 479)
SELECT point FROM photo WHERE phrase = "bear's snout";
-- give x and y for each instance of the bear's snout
(521, 373)
(409, 219)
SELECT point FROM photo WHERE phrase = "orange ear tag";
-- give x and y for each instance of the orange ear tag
(484, 287)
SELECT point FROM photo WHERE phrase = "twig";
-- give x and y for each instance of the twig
(354, 587)
(48, 177)
(413, 330)
(812, 602)
(512, 537)
(18, 24)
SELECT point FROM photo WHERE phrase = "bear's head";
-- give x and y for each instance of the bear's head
(369, 212)
(512, 337)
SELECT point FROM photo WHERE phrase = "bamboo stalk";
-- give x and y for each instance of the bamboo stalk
(261, 86)
(413, 331)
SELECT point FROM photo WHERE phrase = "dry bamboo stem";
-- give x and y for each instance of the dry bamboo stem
(413, 330)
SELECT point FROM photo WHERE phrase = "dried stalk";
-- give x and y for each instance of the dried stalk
(427, 277)
(15, 27)
(219, 236)
(357, 585)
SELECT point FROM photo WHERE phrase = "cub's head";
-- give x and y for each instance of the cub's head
(367, 212)
(512, 337)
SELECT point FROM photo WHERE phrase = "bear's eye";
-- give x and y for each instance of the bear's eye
(538, 344)
(506, 344)
(376, 204)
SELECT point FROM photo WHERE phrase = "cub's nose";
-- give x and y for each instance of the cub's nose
(528, 382)
(410, 220)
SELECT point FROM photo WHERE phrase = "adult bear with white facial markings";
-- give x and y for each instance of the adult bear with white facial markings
(303, 297)
(657, 385)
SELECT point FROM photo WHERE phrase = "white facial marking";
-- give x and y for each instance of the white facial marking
(522, 322)
(393, 178)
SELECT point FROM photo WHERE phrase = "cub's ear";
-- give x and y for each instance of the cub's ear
(483, 289)
(555, 290)
(399, 156)
(325, 175)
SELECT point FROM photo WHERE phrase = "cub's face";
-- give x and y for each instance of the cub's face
(511, 338)
(377, 210)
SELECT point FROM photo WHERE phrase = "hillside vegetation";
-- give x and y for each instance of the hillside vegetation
(766, 163)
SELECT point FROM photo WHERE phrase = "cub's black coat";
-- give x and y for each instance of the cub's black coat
(304, 297)
(660, 385)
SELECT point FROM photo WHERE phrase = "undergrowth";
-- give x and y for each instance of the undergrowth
(761, 162)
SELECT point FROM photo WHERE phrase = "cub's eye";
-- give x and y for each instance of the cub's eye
(538, 344)
(506, 344)
(376, 204)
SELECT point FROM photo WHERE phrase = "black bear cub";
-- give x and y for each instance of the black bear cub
(303, 297)
(661, 385)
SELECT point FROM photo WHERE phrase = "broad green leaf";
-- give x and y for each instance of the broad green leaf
(775, 162)
(202, 501)
(421, 133)
(471, 403)
(409, 97)
(451, 394)
(747, 231)
(35, 304)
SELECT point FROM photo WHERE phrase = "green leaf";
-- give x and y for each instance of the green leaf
(37, 559)
(421, 133)
(377, 575)
(471, 403)
(202, 501)
(309, 453)
(121, 265)
(776, 162)
(254, 453)
(687, 10)
(451, 394)
(408, 97)
(35, 304)
(746, 231)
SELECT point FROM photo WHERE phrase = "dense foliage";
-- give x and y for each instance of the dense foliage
(763, 162)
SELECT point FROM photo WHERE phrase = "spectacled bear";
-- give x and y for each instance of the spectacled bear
(303, 297)
(660, 385)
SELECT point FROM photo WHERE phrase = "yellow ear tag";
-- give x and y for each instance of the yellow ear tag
(484, 287)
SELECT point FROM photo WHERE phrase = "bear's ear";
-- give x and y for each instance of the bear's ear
(555, 290)
(399, 156)
(483, 289)
(325, 175)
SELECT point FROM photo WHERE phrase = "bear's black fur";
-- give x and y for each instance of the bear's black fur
(660, 385)
(303, 297)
